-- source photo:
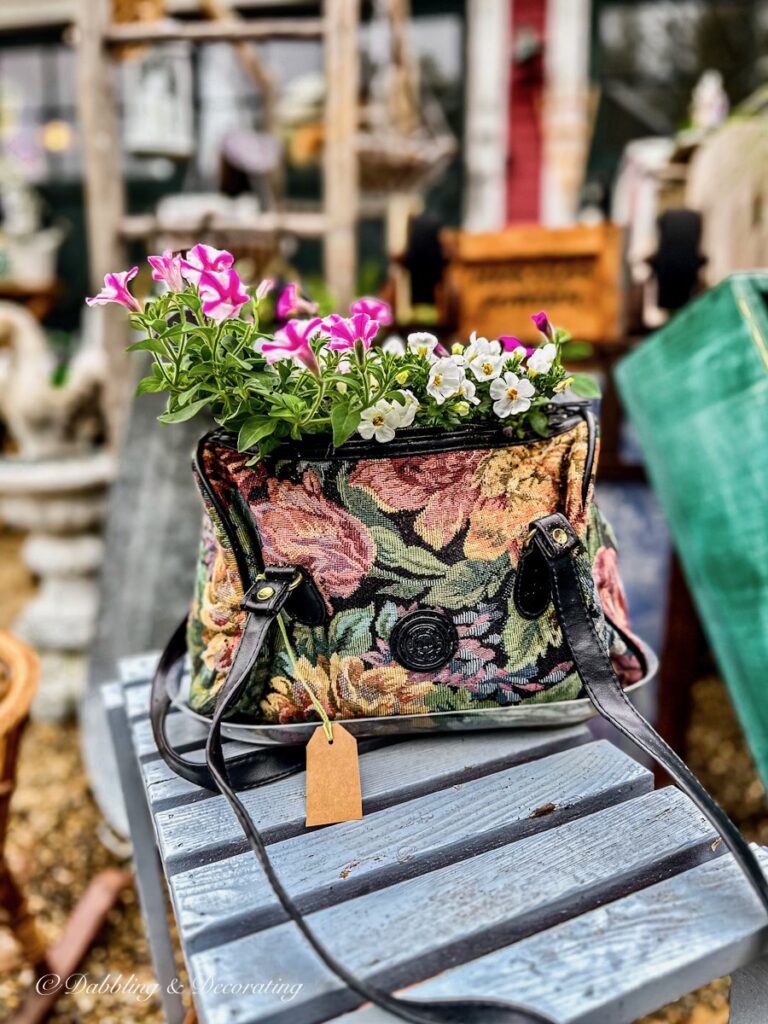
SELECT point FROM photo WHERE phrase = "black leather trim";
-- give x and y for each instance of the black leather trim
(563, 416)
(246, 770)
(531, 592)
(589, 418)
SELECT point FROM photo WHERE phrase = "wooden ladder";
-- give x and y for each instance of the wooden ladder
(108, 227)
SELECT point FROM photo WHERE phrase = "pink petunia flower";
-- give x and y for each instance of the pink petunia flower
(203, 259)
(292, 342)
(167, 268)
(290, 302)
(376, 309)
(509, 343)
(116, 290)
(344, 333)
(264, 288)
(542, 324)
(223, 294)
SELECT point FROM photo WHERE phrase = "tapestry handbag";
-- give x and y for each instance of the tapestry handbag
(454, 580)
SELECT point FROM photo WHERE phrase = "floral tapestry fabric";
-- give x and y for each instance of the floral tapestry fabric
(382, 537)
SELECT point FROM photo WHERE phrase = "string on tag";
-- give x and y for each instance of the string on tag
(327, 726)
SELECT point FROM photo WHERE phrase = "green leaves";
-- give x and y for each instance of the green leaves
(349, 633)
(255, 429)
(539, 422)
(585, 386)
(344, 422)
(153, 345)
(185, 413)
(150, 385)
(396, 555)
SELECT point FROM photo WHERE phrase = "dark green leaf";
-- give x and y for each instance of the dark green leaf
(255, 429)
(344, 422)
(150, 385)
(153, 345)
(539, 422)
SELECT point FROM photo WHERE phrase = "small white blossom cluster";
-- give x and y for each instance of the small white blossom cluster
(385, 417)
(457, 374)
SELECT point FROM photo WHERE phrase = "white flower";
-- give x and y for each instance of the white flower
(421, 343)
(394, 345)
(487, 366)
(541, 359)
(484, 358)
(479, 347)
(512, 395)
(407, 412)
(445, 379)
(379, 421)
(467, 390)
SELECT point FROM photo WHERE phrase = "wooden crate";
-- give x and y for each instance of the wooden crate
(575, 274)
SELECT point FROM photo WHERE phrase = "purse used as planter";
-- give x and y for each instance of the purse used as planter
(444, 580)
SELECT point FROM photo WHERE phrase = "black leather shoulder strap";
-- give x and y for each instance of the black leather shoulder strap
(557, 543)
(245, 770)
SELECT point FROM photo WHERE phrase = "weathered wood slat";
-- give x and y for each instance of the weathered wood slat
(184, 733)
(137, 701)
(222, 901)
(209, 831)
(214, 32)
(138, 669)
(624, 960)
(461, 911)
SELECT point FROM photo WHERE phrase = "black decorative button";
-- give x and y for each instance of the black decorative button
(423, 640)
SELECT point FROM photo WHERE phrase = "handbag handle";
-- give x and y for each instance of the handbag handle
(556, 542)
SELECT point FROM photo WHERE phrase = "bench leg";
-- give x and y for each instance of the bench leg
(749, 993)
(148, 870)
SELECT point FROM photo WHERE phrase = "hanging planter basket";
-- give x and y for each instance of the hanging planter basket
(402, 146)
(390, 162)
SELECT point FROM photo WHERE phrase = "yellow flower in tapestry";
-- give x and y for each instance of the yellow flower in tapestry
(223, 594)
(382, 690)
(346, 689)
(288, 700)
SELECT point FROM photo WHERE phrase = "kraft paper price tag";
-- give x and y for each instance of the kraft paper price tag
(333, 778)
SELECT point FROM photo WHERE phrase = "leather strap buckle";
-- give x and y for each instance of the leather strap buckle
(553, 535)
(271, 589)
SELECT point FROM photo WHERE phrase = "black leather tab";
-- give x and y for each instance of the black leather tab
(548, 537)
(271, 590)
(554, 535)
(532, 592)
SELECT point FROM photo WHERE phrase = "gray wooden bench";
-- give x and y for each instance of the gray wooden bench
(536, 866)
